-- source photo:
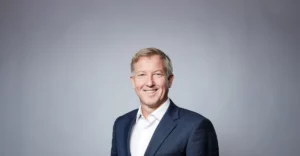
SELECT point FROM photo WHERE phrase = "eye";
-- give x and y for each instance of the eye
(141, 75)
(158, 74)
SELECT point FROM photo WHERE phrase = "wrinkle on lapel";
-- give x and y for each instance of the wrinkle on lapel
(164, 128)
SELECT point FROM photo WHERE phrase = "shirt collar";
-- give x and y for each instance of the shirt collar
(158, 113)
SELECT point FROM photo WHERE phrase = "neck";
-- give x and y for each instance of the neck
(147, 110)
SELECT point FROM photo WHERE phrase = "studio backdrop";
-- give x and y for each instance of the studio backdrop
(65, 67)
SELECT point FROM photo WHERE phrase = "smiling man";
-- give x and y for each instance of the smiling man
(159, 127)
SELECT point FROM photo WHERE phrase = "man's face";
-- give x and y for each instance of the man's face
(150, 81)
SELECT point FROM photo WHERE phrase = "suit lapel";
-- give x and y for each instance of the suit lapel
(128, 133)
(164, 128)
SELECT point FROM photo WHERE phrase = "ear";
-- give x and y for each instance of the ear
(132, 81)
(170, 80)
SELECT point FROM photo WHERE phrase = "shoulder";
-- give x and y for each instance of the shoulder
(191, 115)
(185, 115)
(193, 118)
(126, 117)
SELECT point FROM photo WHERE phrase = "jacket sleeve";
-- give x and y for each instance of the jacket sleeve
(203, 140)
(114, 151)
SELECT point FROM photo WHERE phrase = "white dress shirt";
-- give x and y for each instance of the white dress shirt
(144, 128)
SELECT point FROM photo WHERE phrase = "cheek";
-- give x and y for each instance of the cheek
(138, 85)
(162, 84)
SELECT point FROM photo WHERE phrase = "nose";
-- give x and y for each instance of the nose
(150, 81)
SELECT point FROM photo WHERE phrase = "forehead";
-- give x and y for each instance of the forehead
(149, 63)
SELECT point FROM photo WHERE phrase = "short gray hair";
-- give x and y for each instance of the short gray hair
(148, 52)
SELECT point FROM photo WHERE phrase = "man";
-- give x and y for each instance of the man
(159, 127)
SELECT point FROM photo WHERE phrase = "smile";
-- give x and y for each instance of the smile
(153, 91)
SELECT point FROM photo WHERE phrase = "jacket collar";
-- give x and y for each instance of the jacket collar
(164, 128)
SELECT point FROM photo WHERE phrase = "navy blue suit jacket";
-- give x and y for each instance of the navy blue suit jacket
(180, 133)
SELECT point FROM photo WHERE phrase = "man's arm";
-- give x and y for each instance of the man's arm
(114, 151)
(203, 140)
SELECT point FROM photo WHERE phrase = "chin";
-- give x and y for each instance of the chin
(150, 103)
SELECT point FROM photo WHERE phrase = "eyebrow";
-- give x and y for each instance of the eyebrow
(151, 72)
(140, 72)
(158, 71)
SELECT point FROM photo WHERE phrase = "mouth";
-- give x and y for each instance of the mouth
(150, 91)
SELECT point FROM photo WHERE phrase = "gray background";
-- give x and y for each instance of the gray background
(64, 71)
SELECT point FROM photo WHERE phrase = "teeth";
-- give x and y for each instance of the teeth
(150, 91)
